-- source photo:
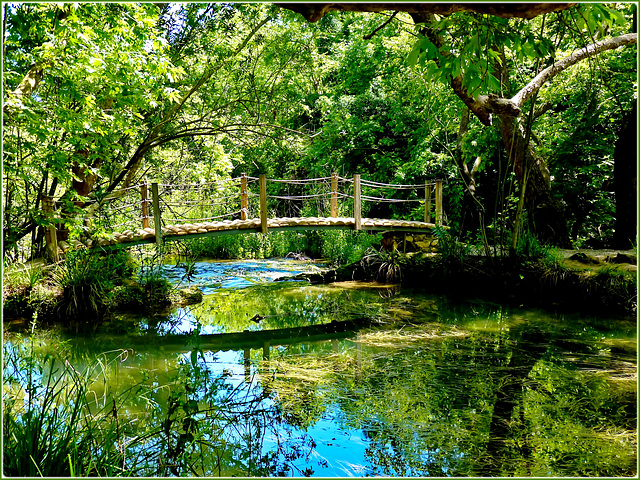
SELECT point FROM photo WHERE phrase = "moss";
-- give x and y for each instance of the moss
(189, 296)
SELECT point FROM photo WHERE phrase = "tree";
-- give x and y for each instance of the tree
(124, 86)
(468, 51)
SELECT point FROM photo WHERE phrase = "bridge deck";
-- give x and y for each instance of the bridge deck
(230, 227)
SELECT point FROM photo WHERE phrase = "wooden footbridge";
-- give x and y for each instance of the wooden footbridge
(158, 213)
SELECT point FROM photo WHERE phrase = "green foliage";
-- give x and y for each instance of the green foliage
(386, 265)
(452, 252)
(153, 287)
(253, 99)
(86, 279)
(343, 247)
(615, 286)
(529, 247)
(57, 429)
(338, 247)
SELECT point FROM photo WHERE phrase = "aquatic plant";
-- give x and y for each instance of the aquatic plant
(386, 265)
(452, 252)
(52, 426)
(63, 420)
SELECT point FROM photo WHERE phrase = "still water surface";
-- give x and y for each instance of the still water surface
(435, 387)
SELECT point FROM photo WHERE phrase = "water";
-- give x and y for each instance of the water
(433, 388)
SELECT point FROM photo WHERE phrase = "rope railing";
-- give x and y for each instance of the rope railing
(147, 208)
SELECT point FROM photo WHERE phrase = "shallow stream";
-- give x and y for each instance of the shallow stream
(426, 386)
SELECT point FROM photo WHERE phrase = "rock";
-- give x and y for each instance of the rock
(622, 258)
(583, 258)
(190, 296)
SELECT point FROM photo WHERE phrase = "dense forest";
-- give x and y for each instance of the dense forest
(529, 116)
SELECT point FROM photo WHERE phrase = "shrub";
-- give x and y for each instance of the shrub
(86, 279)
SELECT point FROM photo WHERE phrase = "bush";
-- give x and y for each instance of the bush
(86, 279)
(336, 246)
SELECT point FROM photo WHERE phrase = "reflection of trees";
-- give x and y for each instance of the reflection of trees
(510, 402)
(528, 345)
(282, 305)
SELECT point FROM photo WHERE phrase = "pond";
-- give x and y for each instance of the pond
(273, 377)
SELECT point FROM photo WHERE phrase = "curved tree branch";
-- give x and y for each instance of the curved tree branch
(590, 50)
(485, 105)
(313, 12)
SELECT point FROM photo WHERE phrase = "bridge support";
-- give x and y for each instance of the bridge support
(357, 204)
(50, 233)
(157, 219)
(427, 202)
(334, 194)
(263, 203)
(244, 210)
(439, 203)
(144, 200)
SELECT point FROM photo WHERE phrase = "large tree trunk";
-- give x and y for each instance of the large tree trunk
(625, 181)
(546, 213)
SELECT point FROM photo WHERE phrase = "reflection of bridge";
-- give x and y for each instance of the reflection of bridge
(264, 339)
(157, 213)
(245, 341)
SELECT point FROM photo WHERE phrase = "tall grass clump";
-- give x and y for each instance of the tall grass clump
(614, 286)
(52, 424)
(452, 252)
(86, 278)
(386, 266)
(342, 247)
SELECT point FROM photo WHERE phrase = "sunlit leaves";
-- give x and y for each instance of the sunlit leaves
(473, 47)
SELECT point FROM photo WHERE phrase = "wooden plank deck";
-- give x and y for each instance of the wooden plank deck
(233, 227)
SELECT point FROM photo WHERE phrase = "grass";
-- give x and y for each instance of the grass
(338, 247)
(51, 426)
(386, 265)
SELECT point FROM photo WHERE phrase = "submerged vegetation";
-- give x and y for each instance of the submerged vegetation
(485, 390)
(66, 420)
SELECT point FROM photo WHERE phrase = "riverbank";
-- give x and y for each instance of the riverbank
(595, 281)
(591, 281)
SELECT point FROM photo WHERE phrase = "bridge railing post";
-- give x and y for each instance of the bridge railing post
(144, 194)
(357, 204)
(263, 203)
(439, 216)
(427, 202)
(157, 219)
(50, 233)
(334, 195)
(244, 204)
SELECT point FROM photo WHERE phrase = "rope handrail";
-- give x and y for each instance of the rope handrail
(298, 197)
(200, 202)
(301, 181)
(143, 206)
(396, 186)
(196, 185)
(389, 200)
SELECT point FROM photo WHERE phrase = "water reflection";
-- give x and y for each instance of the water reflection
(436, 388)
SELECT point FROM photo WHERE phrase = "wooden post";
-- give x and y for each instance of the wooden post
(157, 220)
(439, 203)
(357, 207)
(334, 195)
(50, 233)
(144, 193)
(427, 202)
(266, 348)
(263, 203)
(244, 211)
